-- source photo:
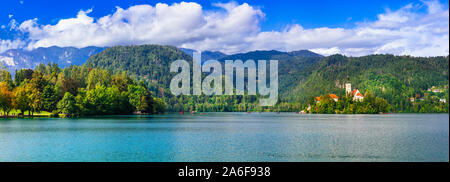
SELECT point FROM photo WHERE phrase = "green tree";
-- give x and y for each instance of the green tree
(67, 105)
(50, 98)
(5, 75)
(22, 100)
(67, 84)
(140, 98)
(98, 77)
(23, 74)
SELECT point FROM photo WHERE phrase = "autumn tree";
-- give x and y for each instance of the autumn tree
(6, 98)
(23, 101)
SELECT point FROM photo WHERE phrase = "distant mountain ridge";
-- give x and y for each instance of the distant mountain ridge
(206, 55)
(272, 54)
(254, 55)
(16, 59)
(303, 74)
(151, 63)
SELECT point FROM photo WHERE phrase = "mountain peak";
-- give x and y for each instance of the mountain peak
(16, 59)
(305, 53)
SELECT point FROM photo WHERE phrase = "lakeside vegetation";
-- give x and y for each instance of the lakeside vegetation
(135, 80)
(303, 76)
(74, 91)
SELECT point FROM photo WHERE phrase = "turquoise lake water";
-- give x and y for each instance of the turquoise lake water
(228, 137)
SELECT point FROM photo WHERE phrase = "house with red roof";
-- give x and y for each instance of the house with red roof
(317, 99)
(357, 96)
(334, 97)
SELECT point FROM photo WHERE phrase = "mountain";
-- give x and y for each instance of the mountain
(16, 59)
(150, 63)
(206, 55)
(292, 66)
(304, 53)
(289, 62)
(212, 55)
(302, 76)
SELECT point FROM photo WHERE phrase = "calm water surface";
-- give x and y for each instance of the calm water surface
(228, 137)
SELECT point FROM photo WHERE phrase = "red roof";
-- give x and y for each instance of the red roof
(334, 96)
(357, 93)
(318, 98)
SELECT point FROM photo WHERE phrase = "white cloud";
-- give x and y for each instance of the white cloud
(8, 44)
(236, 28)
(13, 24)
(181, 24)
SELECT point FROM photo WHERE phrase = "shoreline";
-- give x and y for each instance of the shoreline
(192, 114)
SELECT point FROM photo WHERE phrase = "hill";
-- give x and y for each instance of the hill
(394, 78)
(149, 63)
(291, 66)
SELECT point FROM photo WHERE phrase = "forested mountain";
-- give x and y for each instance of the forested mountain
(16, 59)
(303, 75)
(394, 78)
(291, 65)
(152, 62)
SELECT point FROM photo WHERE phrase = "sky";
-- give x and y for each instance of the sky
(350, 27)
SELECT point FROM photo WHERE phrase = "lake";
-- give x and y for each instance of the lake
(235, 137)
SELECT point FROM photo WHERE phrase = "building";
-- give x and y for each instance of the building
(436, 90)
(348, 88)
(443, 100)
(317, 99)
(412, 99)
(357, 96)
(334, 97)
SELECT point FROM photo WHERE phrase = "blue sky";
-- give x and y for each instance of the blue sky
(310, 14)
(277, 18)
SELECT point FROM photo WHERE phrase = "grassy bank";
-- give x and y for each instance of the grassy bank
(15, 113)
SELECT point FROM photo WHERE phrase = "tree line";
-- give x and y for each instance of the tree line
(346, 105)
(75, 91)
(396, 79)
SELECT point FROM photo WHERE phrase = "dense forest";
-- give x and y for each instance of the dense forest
(135, 79)
(346, 105)
(303, 75)
(150, 64)
(74, 91)
(405, 82)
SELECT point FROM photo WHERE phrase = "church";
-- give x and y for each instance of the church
(357, 96)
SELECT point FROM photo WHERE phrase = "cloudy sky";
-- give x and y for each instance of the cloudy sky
(354, 28)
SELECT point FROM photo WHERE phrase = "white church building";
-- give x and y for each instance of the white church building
(357, 96)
